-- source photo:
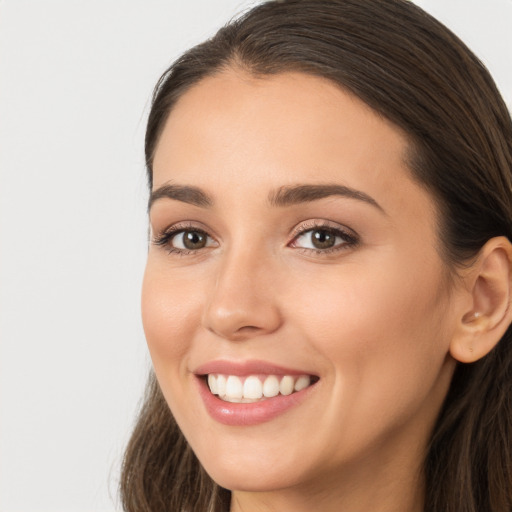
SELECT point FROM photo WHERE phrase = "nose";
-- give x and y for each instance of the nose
(242, 303)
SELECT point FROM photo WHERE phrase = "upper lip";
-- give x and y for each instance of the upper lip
(250, 367)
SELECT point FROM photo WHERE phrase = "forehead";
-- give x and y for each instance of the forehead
(234, 111)
(279, 130)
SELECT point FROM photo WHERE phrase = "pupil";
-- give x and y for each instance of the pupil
(194, 240)
(323, 239)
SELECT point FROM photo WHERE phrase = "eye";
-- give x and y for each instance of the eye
(184, 241)
(189, 240)
(324, 239)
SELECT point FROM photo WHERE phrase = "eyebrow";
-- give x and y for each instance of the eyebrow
(184, 193)
(283, 196)
(286, 196)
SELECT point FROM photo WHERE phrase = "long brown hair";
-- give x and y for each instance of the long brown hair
(413, 71)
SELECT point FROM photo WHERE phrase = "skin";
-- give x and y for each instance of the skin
(374, 320)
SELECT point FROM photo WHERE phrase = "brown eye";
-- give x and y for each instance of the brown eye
(321, 239)
(324, 239)
(190, 240)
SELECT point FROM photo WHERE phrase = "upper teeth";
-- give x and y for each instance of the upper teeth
(253, 388)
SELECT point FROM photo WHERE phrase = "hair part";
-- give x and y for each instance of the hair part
(414, 72)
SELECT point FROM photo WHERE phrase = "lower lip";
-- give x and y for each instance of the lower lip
(254, 413)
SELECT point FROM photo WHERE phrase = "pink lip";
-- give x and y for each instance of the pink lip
(252, 367)
(236, 414)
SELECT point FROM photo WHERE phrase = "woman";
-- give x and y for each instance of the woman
(327, 293)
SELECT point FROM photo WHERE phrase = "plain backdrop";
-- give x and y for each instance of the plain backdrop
(75, 82)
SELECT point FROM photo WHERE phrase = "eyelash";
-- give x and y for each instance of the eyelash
(350, 239)
(163, 239)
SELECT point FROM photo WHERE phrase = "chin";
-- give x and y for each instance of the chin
(253, 469)
(251, 479)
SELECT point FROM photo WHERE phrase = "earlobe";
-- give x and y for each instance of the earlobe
(482, 325)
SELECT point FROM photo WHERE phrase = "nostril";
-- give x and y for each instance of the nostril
(248, 328)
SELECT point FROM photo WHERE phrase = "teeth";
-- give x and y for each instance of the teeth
(221, 385)
(212, 382)
(271, 386)
(253, 388)
(232, 388)
(302, 382)
(286, 385)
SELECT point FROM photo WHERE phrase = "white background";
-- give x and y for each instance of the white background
(75, 82)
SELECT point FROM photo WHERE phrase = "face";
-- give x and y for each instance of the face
(294, 263)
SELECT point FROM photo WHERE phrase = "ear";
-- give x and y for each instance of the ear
(483, 323)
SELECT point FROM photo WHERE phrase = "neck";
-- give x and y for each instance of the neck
(396, 484)
(393, 497)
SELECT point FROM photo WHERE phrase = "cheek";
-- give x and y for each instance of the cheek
(383, 331)
(170, 315)
(357, 306)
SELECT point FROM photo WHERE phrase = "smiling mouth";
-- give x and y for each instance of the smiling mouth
(256, 388)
